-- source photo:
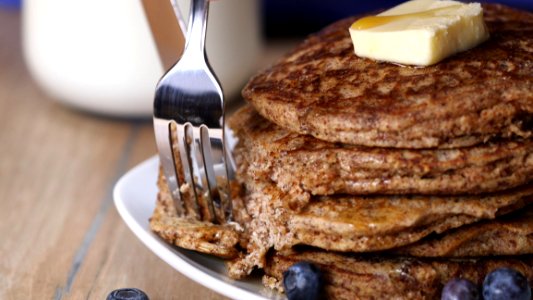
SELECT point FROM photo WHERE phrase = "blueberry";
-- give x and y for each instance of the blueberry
(302, 281)
(460, 289)
(127, 294)
(506, 284)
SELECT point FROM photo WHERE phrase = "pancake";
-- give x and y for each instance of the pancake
(393, 223)
(508, 235)
(304, 164)
(323, 89)
(357, 223)
(511, 234)
(375, 277)
(189, 233)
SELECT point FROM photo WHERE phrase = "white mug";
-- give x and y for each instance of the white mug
(100, 56)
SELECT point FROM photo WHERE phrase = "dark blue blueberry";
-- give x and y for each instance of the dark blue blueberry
(127, 294)
(302, 281)
(460, 289)
(506, 284)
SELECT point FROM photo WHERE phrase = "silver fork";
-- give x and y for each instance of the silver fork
(189, 114)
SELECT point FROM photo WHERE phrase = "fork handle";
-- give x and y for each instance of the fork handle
(196, 30)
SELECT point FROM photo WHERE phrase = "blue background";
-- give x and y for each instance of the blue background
(342, 5)
(285, 18)
(10, 3)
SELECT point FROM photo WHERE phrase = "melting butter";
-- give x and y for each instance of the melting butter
(419, 32)
(374, 21)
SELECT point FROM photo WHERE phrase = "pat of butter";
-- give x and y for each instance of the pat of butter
(420, 32)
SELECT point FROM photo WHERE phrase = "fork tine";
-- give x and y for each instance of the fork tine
(209, 144)
(215, 149)
(230, 164)
(228, 169)
(185, 143)
(163, 135)
(199, 164)
(209, 173)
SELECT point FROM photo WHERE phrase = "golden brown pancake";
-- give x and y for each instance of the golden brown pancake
(323, 89)
(509, 235)
(376, 277)
(357, 223)
(376, 225)
(303, 164)
(189, 233)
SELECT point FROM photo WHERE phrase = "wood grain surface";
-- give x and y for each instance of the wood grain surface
(60, 235)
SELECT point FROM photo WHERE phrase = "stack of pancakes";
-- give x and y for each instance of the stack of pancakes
(392, 180)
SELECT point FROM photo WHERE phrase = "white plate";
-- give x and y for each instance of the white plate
(135, 195)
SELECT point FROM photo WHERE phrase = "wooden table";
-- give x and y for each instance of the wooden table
(61, 237)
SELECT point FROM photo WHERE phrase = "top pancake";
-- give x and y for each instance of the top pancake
(322, 88)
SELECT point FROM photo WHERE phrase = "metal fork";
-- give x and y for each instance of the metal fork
(189, 115)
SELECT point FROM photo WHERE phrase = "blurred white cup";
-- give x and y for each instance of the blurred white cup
(100, 56)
